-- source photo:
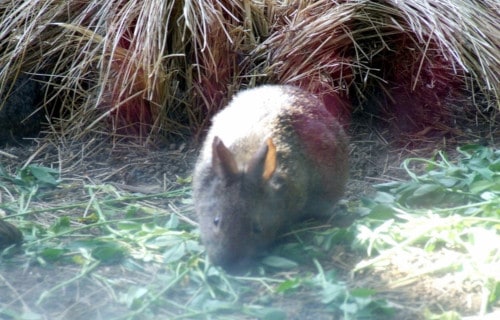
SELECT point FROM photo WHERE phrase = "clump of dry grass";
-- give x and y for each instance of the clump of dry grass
(111, 66)
(310, 45)
(407, 58)
(133, 67)
(425, 59)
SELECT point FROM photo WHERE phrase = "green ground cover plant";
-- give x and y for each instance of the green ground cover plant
(142, 254)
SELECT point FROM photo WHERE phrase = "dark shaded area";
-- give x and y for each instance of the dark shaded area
(20, 116)
(9, 234)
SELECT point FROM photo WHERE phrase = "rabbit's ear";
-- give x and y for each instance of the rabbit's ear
(223, 161)
(263, 163)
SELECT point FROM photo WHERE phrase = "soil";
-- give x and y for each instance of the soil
(376, 154)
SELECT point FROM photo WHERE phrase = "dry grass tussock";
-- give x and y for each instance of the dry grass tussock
(141, 68)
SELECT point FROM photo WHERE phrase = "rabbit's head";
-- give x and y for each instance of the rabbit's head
(238, 207)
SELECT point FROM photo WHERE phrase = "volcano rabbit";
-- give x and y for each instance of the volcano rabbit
(272, 157)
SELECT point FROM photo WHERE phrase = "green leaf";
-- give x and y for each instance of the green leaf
(469, 149)
(362, 292)
(382, 212)
(175, 253)
(384, 197)
(485, 173)
(330, 237)
(129, 225)
(60, 225)
(495, 166)
(449, 315)
(52, 254)
(134, 298)
(331, 291)
(184, 181)
(109, 252)
(288, 285)
(44, 174)
(448, 182)
(279, 262)
(173, 222)
(212, 305)
(387, 186)
(495, 292)
(481, 185)
(267, 313)
(426, 189)
(131, 211)
(349, 308)
(29, 315)
(274, 314)
(166, 240)
(456, 172)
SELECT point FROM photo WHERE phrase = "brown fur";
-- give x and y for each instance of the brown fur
(272, 157)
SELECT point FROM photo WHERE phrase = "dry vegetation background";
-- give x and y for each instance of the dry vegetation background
(150, 68)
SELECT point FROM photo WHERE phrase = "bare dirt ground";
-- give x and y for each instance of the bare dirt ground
(376, 154)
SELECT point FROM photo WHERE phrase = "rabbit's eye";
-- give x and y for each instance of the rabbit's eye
(216, 221)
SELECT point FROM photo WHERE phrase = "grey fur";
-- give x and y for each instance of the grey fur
(241, 200)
